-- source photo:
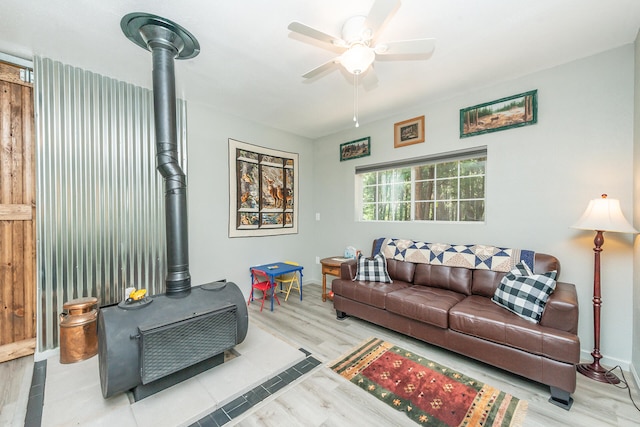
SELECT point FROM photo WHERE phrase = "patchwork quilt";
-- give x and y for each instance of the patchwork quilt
(480, 257)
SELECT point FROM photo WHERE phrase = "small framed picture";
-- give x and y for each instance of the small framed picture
(505, 113)
(354, 149)
(408, 132)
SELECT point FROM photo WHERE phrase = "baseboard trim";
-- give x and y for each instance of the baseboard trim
(634, 373)
(47, 354)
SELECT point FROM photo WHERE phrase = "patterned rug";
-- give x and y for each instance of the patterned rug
(428, 393)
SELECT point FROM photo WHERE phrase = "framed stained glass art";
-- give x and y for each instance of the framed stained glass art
(263, 191)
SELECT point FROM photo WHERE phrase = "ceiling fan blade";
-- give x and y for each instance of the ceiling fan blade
(406, 47)
(380, 12)
(306, 30)
(321, 69)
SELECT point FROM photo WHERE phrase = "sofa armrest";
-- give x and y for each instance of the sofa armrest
(348, 269)
(561, 311)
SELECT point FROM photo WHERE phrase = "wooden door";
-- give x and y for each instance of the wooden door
(17, 216)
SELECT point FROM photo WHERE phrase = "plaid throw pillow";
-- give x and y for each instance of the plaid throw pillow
(373, 269)
(525, 293)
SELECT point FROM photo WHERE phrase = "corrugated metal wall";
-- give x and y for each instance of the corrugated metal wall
(100, 201)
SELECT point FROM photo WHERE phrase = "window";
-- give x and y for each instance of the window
(444, 188)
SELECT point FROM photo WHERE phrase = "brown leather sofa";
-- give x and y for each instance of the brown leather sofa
(451, 307)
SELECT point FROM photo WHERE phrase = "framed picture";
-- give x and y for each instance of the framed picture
(354, 149)
(505, 113)
(263, 191)
(408, 132)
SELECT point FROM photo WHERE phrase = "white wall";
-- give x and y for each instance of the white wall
(212, 254)
(635, 360)
(540, 179)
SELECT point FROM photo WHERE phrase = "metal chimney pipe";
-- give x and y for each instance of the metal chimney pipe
(167, 41)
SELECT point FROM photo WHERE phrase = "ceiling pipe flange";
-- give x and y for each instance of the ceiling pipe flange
(146, 30)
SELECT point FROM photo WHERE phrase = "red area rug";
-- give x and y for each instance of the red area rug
(430, 394)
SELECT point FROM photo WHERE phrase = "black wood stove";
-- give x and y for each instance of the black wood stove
(148, 345)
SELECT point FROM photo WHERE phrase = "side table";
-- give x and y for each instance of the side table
(330, 266)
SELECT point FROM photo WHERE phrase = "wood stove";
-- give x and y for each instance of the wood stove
(148, 345)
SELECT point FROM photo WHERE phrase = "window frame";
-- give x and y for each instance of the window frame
(392, 167)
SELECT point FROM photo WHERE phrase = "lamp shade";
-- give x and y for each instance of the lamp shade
(357, 59)
(604, 214)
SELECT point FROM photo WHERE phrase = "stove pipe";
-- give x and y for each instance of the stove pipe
(167, 41)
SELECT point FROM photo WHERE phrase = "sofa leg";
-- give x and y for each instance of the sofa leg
(341, 315)
(561, 398)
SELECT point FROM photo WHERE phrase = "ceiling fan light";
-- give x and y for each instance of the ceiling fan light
(357, 59)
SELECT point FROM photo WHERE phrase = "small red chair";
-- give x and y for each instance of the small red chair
(261, 282)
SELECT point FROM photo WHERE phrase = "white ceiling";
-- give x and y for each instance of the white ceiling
(250, 65)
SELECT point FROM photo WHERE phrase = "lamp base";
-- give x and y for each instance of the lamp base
(596, 372)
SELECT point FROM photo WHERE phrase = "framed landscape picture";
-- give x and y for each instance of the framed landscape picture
(505, 113)
(354, 149)
(408, 132)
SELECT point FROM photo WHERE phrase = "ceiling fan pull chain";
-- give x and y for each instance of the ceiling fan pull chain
(355, 99)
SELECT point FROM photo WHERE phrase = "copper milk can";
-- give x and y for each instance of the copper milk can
(79, 330)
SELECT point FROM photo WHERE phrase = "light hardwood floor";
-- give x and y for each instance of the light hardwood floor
(325, 399)
(322, 398)
(15, 382)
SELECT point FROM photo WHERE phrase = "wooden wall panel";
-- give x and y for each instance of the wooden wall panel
(17, 213)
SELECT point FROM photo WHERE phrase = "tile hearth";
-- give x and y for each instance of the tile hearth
(72, 394)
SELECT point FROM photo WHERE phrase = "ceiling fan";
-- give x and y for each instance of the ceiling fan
(359, 41)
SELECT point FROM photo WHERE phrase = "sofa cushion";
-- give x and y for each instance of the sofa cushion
(485, 282)
(400, 270)
(423, 303)
(457, 279)
(370, 293)
(525, 293)
(372, 269)
(480, 317)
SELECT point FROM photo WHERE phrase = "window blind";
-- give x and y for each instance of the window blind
(432, 158)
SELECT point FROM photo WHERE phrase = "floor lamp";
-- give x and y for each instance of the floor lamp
(601, 215)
